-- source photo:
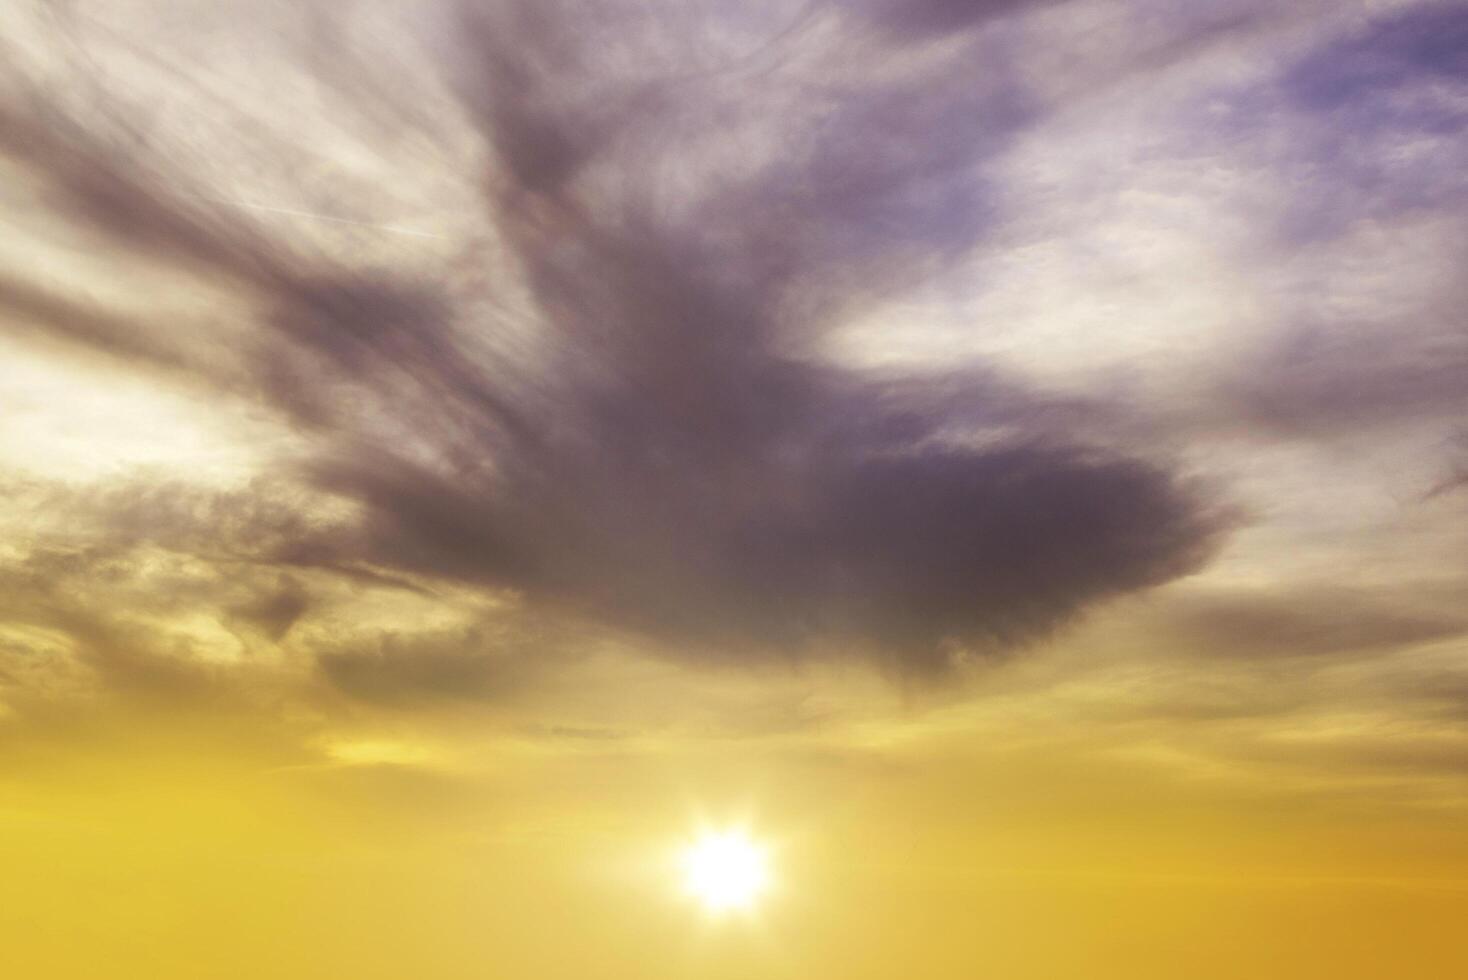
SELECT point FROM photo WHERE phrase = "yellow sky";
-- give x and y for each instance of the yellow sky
(175, 850)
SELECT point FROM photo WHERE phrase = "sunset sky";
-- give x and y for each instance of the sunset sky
(1004, 463)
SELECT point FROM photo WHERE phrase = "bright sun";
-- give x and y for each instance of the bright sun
(725, 870)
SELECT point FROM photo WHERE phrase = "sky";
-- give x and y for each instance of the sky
(1007, 457)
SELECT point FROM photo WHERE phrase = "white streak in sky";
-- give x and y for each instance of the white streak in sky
(325, 217)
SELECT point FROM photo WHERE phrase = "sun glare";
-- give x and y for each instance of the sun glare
(725, 871)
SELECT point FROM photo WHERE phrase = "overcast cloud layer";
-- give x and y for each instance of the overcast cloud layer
(411, 355)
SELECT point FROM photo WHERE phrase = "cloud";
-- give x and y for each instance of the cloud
(1327, 622)
(485, 662)
(612, 402)
(276, 612)
(1381, 113)
(921, 18)
(1395, 50)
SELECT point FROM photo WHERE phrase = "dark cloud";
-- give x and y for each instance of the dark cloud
(276, 612)
(653, 443)
(397, 673)
(1319, 622)
(487, 662)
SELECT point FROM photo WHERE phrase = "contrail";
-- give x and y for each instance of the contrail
(324, 217)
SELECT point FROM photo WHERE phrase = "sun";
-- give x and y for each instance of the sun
(725, 871)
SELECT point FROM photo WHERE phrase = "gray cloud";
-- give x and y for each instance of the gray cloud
(1306, 622)
(922, 18)
(653, 443)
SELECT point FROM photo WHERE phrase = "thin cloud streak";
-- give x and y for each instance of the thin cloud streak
(326, 217)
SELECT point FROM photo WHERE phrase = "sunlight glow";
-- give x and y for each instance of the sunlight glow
(725, 871)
